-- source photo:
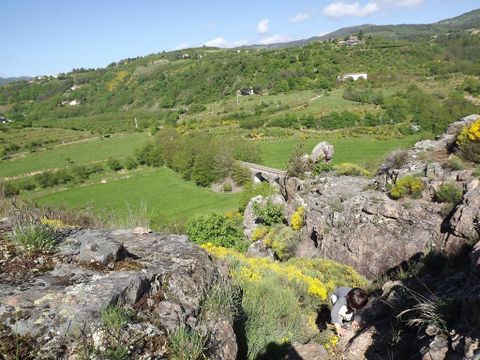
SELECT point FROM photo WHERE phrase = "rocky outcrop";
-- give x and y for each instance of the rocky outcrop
(354, 221)
(162, 278)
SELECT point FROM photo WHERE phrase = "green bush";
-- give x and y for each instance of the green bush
(283, 240)
(218, 230)
(449, 193)
(185, 344)
(350, 169)
(114, 164)
(269, 213)
(34, 237)
(240, 174)
(251, 190)
(322, 167)
(115, 317)
(8, 189)
(471, 151)
(227, 187)
(453, 163)
(297, 166)
(131, 163)
(476, 172)
(150, 155)
(407, 186)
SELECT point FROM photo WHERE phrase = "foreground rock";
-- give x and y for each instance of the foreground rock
(162, 279)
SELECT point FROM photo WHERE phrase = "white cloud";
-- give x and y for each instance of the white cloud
(338, 10)
(404, 3)
(262, 26)
(217, 42)
(182, 46)
(275, 39)
(224, 43)
(300, 17)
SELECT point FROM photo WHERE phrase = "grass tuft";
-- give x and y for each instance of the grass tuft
(34, 237)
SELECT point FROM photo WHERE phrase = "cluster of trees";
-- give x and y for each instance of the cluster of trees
(363, 94)
(200, 156)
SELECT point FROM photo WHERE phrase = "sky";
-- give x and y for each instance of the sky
(52, 36)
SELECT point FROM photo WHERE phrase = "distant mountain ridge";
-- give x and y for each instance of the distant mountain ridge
(465, 21)
(7, 80)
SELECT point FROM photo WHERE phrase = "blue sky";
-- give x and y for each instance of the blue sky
(52, 36)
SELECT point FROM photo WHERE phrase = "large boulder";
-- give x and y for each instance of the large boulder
(322, 152)
(163, 278)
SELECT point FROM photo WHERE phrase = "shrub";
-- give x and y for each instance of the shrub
(8, 189)
(185, 344)
(322, 167)
(476, 172)
(297, 164)
(453, 163)
(449, 193)
(115, 353)
(227, 187)
(220, 302)
(471, 151)
(469, 141)
(114, 164)
(259, 232)
(283, 240)
(251, 190)
(350, 169)
(218, 230)
(469, 133)
(269, 213)
(396, 159)
(131, 163)
(115, 317)
(297, 219)
(240, 174)
(34, 237)
(408, 185)
(150, 155)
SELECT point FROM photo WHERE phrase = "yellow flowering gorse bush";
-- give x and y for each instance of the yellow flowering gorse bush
(470, 133)
(297, 219)
(291, 291)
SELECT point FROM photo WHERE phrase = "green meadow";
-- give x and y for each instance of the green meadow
(162, 193)
(360, 150)
(119, 146)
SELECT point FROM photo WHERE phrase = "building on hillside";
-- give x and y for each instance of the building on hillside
(352, 76)
(352, 40)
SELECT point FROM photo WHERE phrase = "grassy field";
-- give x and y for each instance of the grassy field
(168, 199)
(40, 136)
(362, 150)
(119, 146)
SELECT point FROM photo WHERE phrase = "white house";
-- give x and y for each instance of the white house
(353, 76)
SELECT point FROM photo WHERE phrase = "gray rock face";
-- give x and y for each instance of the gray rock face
(350, 223)
(258, 249)
(164, 277)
